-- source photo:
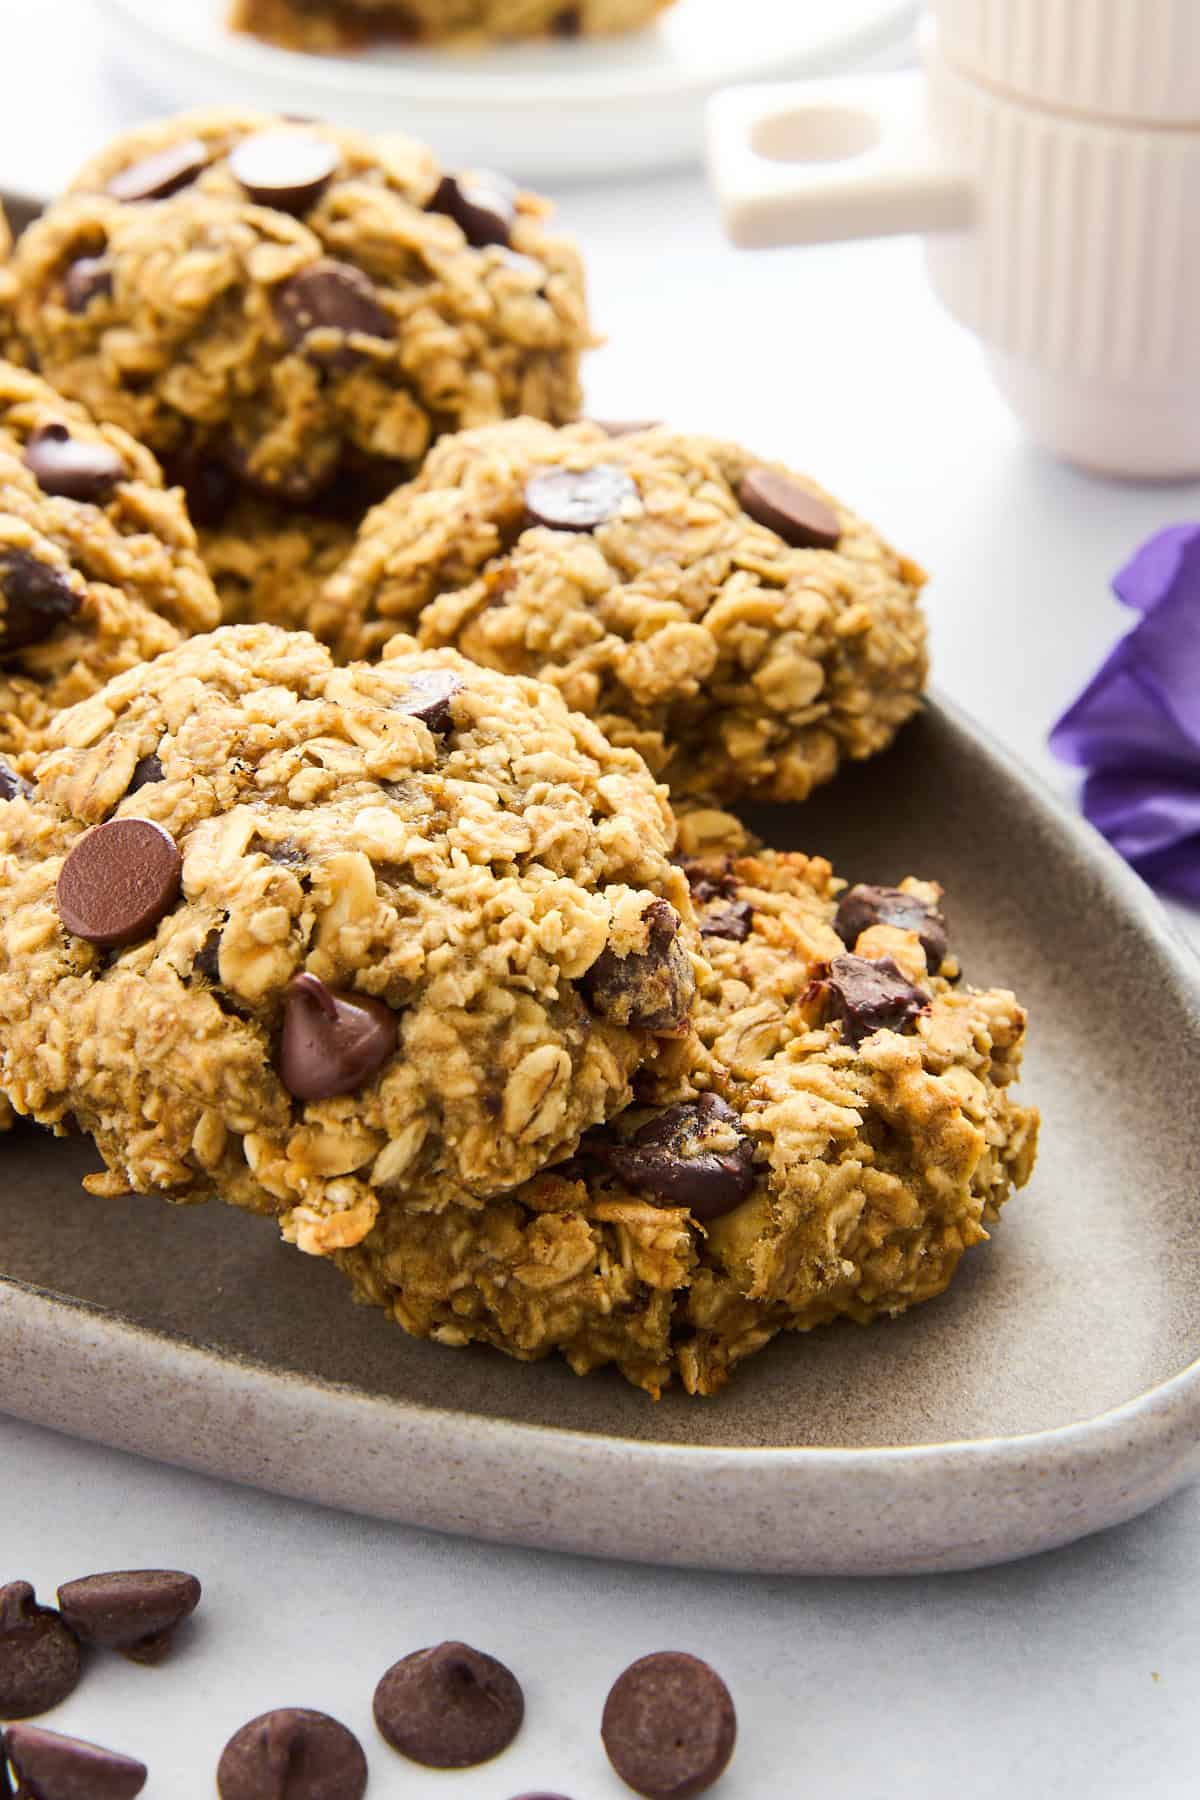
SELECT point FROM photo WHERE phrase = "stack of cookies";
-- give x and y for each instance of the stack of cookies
(369, 729)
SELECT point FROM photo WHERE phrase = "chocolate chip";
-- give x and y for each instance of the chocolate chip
(12, 786)
(482, 203)
(428, 698)
(331, 296)
(651, 989)
(288, 170)
(209, 486)
(89, 278)
(134, 1611)
(578, 499)
(147, 771)
(164, 173)
(708, 882)
(39, 1656)
(799, 517)
(669, 1726)
(292, 1754)
(863, 906)
(34, 600)
(50, 1767)
(332, 1041)
(208, 957)
(872, 995)
(671, 1158)
(73, 468)
(118, 882)
(450, 1707)
(619, 428)
(732, 921)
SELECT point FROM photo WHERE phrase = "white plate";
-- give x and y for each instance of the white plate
(548, 111)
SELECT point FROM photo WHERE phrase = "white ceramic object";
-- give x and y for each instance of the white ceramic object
(1064, 237)
(550, 112)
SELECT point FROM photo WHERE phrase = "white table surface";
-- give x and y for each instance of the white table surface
(1072, 1674)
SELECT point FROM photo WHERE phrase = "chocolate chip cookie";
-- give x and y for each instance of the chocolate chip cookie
(323, 941)
(323, 25)
(725, 618)
(286, 308)
(99, 569)
(846, 1132)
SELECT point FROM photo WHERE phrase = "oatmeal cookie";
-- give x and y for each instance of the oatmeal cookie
(270, 563)
(325, 940)
(324, 25)
(278, 306)
(728, 620)
(845, 1135)
(99, 568)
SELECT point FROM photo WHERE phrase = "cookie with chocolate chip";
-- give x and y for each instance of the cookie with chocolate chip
(741, 629)
(843, 1133)
(321, 941)
(324, 25)
(99, 568)
(294, 311)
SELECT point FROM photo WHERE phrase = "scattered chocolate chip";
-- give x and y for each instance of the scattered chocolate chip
(732, 921)
(134, 1611)
(208, 957)
(799, 517)
(863, 906)
(292, 1754)
(332, 1041)
(73, 468)
(450, 1707)
(209, 486)
(39, 1656)
(482, 203)
(428, 698)
(669, 1726)
(89, 278)
(670, 1158)
(652, 988)
(578, 499)
(288, 170)
(164, 173)
(331, 296)
(619, 428)
(34, 600)
(12, 786)
(872, 995)
(118, 882)
(50, 1767)
(147, 771)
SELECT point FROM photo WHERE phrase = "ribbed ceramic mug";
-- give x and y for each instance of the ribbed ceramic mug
(1049, 150)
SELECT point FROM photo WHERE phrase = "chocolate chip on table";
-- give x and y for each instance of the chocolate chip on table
(650, 989)
(450, 1707)
(733, 921)
(332, 1041)
(669, 1726)
(482, 203)
(134, 1611)
(34, 600)
(118, 881)
(863, 906)
(784, 506)
(428, 698)
(670, 1158)
(50, 1767)
(578, 499)
(12, 785)
(158, 176)
(147, 772)
(39, 1655)
(73, 468)
(331, 296)
(292, 1754)
(870, 995)
(288, 170)
(88, 278)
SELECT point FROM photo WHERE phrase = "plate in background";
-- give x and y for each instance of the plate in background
(551, 112)
(1052, 1391)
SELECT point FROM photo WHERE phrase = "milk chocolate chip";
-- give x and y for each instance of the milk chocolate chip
(133, 1611)
(450, 1707)
(669, 1726)
(164, 173)
(34, 600)
(39, 1655)
(118, 882)
(482, 203)
(332, 1041)
(292, 1754)
(288, 170)
(73, 468)
(799, 517)
(50, 1767)
(332, 296)
(578, 499)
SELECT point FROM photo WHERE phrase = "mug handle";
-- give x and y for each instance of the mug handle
(812, 162)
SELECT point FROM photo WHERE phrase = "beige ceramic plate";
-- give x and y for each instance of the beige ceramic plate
(1050, 1393)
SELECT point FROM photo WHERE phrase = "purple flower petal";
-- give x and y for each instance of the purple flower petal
(1150, 571)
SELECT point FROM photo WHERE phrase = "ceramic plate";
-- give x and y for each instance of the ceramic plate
(1051, 1392)
(547, 111)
